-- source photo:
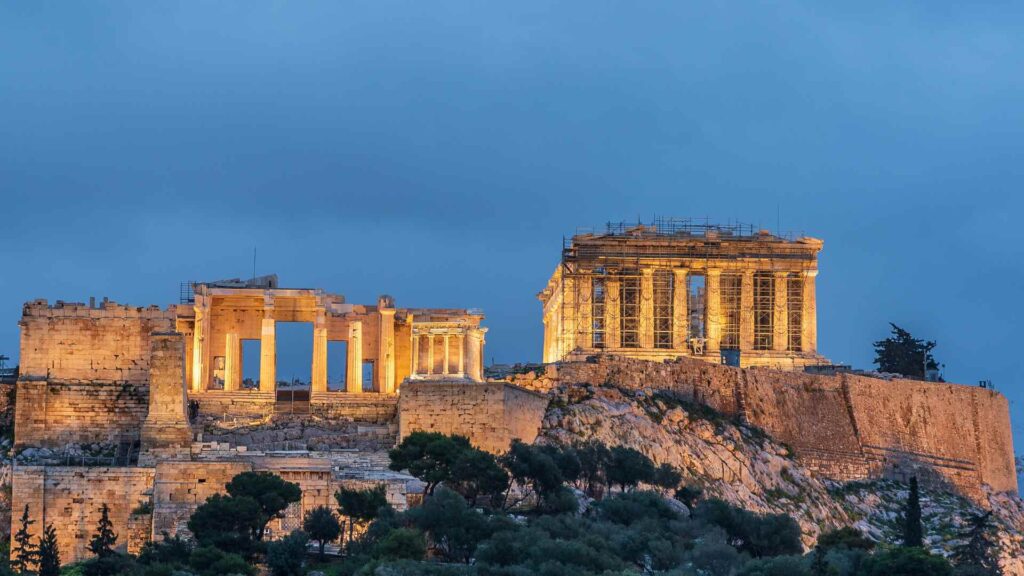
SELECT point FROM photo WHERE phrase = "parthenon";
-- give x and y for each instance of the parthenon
(676, 288)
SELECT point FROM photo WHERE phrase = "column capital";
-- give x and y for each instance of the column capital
(810, 273)
(780, 273)
(713, 271)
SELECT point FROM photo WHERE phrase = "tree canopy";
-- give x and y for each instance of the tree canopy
(903, 354)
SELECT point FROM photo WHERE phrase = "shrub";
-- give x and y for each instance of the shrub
(287, 556)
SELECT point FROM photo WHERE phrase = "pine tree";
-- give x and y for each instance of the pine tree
(24, 555)
(978, 549)
(102, 543)
(49, 555)
(913, 532)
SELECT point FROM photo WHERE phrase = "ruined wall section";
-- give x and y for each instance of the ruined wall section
(55, 414)
(78, 342)
(845, 427)
(69, 498)
(490, 414)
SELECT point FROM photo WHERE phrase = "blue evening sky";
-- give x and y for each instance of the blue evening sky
(439, 151)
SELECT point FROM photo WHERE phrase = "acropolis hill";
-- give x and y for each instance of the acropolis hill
(146, 408)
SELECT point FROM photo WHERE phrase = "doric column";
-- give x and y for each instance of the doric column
(647, 308)
(713, 305)
(680, 313)
(612, 329)
(747, 311)
(567, 317)
(231, 361)
(430, 354)
(584, 303)
(444, 369)
(415, 361)
(546, 355)
(462, 354)
(268, 347)
(809, 322)
(780, 324)
(199, 344)
(474, 354)
(386, 350)
(319, 370)
(354, 382)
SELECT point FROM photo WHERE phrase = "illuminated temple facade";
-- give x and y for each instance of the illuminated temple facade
(726, 294)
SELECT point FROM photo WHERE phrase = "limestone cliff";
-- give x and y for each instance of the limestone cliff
(741, 464)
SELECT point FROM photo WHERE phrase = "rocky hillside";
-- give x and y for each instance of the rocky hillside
(742, 465)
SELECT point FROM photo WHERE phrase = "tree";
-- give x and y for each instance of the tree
(428, 456)
(211, 561)
(270, 491)
(530, 466)
(454, 528)
(102, 542)
(287, 556)
(906, 562)
(913, 532)
(49, 554)
(593, 456)
(628, 467)
(978, 550)
(755, 534)
(475, 473)
(25, 553)
(227, 523)
(360, 506)
(322, 526)
(667, 476)
(402, 544)
(903, 354)
(845, 537)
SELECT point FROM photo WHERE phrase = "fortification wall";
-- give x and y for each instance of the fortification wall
(77, 342)
(368, 407)
(70, 498)
(53, 414)
(845, 427)
(491, 415)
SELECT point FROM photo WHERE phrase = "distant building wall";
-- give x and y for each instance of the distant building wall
(491, 414)
(845, 427)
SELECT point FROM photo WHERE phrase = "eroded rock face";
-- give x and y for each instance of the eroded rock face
(743, 466)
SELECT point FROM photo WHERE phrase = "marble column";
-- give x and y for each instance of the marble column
(747, 311)
(415, 360)
(462, 354)
(430, 354)
(780, 324)
(809, 321)
(713, 306)
(199, 345)
(612, 329)
(319, 369)
(386, 353)
(585, 302)
(647, 308)
(444, 369)
(680, 310)
(232, 361)
(354, 381)
(268, 348)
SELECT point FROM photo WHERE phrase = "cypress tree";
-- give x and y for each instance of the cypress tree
(978, 549)
(49, 555)
(102, 543)
(25, 553)
(913, 532)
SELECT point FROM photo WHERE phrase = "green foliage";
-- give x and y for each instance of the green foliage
(593, 457)
(454, 528)
(978, 550)
(845, 537)
(631, 507)
(627, 468)
(567, 460)
(322, 526)
(227, 522)
(667, 476)
(755, 534)
(475, 473)
(102, 542)
(287, 556)
(906, 561)
(903, 354)
(166, 551)
(109, 565)
(428, 456)
(531, 466)
(272, 493)
(360, 506)
(913, 530)
(777, 566)
(49, 554)
(212, 561)
(689, 495)
(402, 544)
(25, 553)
